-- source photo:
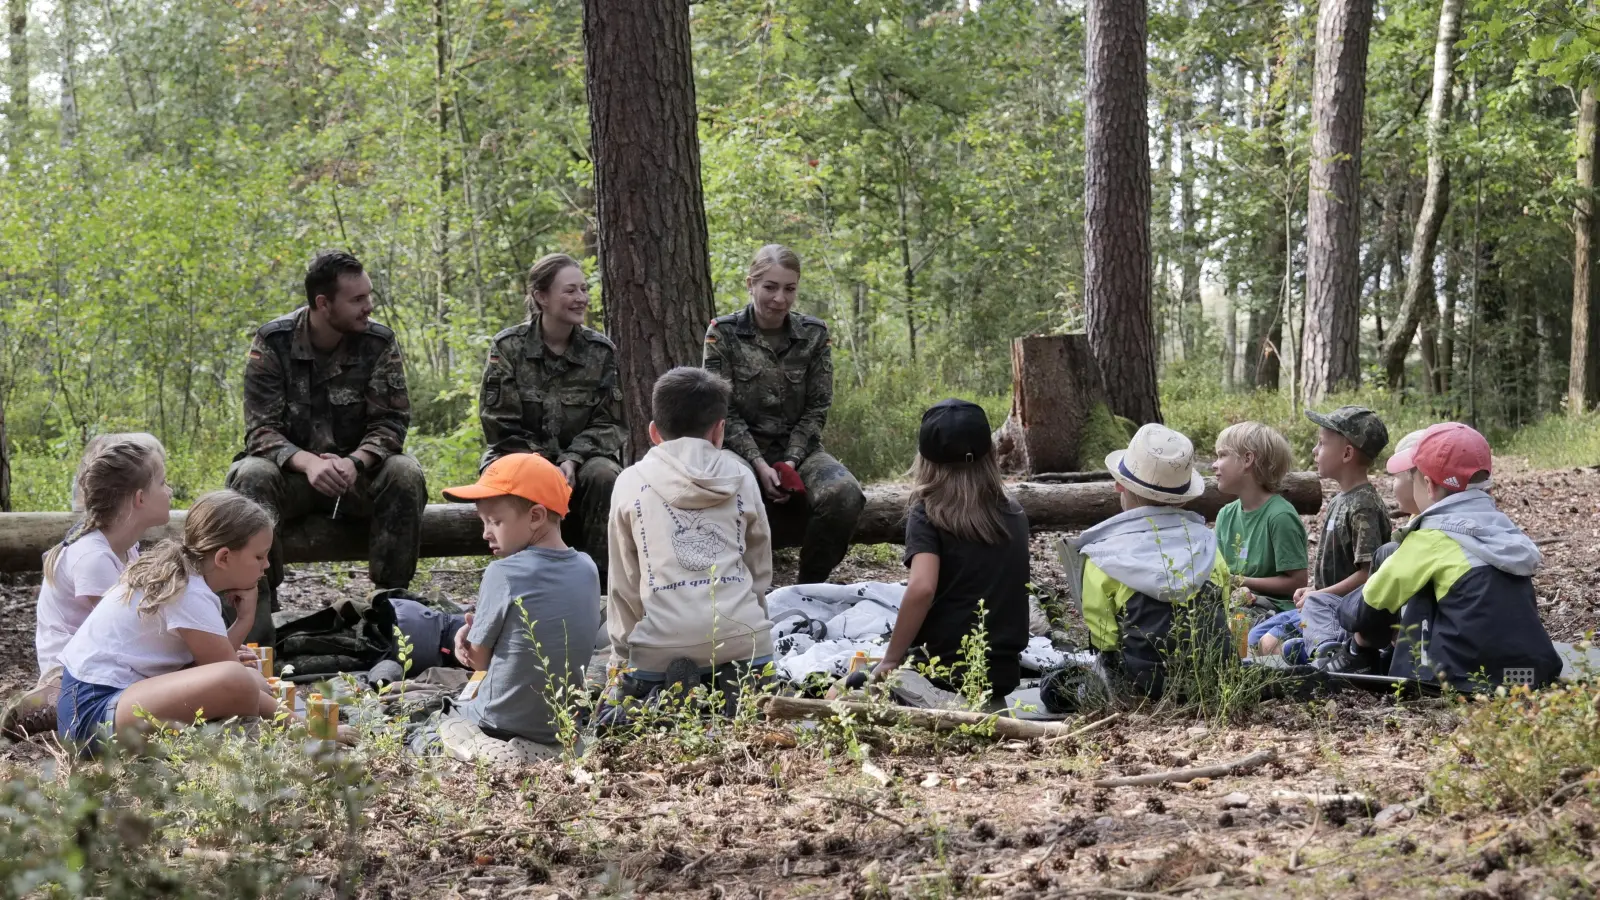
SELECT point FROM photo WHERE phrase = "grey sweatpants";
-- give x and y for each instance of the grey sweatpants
(1319, 617)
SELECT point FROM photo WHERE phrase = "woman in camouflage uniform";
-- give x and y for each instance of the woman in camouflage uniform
(781, 365)
(550, 388)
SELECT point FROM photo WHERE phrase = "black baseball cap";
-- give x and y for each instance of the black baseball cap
(954, 431)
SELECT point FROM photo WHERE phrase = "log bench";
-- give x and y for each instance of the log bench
(451, 529)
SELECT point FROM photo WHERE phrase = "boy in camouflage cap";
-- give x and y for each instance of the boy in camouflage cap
(1357, 523)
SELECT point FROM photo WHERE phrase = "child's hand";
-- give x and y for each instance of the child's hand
(247, 656)
(463, 646)
(885, 668)
(1300, 597)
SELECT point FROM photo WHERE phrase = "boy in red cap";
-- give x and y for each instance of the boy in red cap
(1460, 586)
(538, 610)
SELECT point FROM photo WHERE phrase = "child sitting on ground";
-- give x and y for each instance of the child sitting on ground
(537, 614)
(966, 544)
(691, 554)
(1152, 579)
(1356, 524)
(1260, 534)
(121, 489)
(1460, 585)
(156, 644)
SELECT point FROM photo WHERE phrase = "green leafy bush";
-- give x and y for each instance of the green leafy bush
(1516, 749)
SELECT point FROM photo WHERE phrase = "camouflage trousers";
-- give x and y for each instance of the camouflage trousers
(584, 527)
(389, 498)
(833, 504)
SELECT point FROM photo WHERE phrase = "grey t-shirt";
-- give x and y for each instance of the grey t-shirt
(557, 592)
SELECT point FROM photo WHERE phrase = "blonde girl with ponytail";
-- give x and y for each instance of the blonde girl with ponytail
(157, 644)
(121, 490)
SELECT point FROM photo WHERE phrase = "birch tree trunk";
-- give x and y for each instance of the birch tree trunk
(1582, 258)
(1435, 203)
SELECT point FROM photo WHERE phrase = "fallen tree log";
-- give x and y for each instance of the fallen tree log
(450, 529)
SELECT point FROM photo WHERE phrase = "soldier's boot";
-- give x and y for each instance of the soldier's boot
(394, 542)
(834, 500)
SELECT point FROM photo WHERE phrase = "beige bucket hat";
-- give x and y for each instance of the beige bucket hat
(1158, 465)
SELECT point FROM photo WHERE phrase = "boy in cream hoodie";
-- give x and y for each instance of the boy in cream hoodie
(691, 552)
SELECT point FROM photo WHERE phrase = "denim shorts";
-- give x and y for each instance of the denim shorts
(86, 713)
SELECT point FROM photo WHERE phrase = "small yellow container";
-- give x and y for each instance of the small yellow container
(264, 655)
(322, 717)
(1241, 633)
(283, 690)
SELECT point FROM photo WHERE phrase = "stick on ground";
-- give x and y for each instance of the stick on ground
(931, 719)
(1253, 761)
(1092, 726)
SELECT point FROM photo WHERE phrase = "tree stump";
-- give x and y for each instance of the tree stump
(1055, 393)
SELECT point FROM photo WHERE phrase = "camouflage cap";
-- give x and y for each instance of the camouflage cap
(1359, 425)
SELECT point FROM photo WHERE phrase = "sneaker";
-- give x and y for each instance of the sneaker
(684, 673)
(32, 713)
(1294, 652)
(1349, 658)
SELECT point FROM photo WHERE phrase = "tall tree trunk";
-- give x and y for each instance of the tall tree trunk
(441, 39)
(1452, 296)
(69, 72)
(1264, 341)
(654, 263)
(1190, 313)
(1435, 203)
(5, 460)
(1582, 258)
(1117, 209)
(1330, 354)
(17, 78)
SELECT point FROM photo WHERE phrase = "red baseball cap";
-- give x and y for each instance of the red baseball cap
(526, 475)
(1450, 453)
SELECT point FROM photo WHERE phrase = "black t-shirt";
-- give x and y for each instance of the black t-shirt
(969, 571)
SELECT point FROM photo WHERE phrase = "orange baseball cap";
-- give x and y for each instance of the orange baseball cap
(526, 475)
(1450, 453)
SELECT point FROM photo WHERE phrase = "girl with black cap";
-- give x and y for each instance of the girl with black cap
(966, 544)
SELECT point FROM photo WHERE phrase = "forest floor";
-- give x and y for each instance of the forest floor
(757, 810)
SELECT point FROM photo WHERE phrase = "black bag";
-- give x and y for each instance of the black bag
(349, 635)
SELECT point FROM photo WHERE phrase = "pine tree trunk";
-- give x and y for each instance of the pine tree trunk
(1330, 355)
(654, 264)
(1452, 296)
(1190, 311)
(441, 40)
(17, 78)
(1435, 203)
(1117, 209)
(1582, 258)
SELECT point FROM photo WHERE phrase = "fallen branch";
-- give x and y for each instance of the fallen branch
(1294, 855)
(931, 719)
(1092, 726)
(1177, 776)
(866, 809)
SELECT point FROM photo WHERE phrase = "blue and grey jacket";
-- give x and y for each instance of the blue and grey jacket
(1461, 587)
(1137, 575)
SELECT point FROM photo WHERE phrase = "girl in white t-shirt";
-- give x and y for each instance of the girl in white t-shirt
(121, 489)
(157, 643)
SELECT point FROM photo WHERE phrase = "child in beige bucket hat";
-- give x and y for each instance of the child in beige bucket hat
(1151, 581)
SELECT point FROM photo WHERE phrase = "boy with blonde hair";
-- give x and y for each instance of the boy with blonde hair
(1260, 534)
(1151, 580)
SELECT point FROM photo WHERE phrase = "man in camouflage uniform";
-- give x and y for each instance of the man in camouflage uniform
(326, 413)
(566, 408)
(782, 389)
(1355, 526)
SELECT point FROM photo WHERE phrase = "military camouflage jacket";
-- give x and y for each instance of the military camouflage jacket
(780, 399)
(351, 399)
(566, 407)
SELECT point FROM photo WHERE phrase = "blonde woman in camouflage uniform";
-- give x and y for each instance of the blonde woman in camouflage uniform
(550, 388)
(781, 365)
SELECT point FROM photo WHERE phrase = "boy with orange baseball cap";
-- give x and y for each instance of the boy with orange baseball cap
(538, 611)
(1461, 583)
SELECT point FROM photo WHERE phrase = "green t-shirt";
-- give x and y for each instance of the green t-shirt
(1266, 541)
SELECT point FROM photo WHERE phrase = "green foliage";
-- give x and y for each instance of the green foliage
(872, 428)
(205, 814)
(1516, 749)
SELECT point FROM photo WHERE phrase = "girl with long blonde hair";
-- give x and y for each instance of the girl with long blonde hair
(967, 548)
(157, 644)
(121, 490)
